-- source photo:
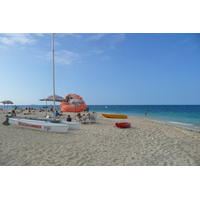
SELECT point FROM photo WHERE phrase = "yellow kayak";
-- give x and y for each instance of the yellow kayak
(115, 116)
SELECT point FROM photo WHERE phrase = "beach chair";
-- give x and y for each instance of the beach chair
(85, 120)
(93, 118)
(78, 119)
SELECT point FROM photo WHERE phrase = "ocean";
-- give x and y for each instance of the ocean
(183, 115)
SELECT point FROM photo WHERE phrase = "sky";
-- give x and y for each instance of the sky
(108, 52)
(103, 68)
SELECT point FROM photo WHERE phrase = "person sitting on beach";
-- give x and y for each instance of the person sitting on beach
(79, 117)
(51, 108)
(88, 115)
(13, 113)
(69, 119)
(85, 118)
(57, 113)
(60, 113)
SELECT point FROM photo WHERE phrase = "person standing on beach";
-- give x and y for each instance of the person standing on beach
(145, 113)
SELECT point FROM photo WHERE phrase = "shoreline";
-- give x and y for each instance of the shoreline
(146, 143)
(175, 123)
(177, 118)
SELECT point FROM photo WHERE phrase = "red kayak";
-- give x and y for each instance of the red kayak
(123, 125)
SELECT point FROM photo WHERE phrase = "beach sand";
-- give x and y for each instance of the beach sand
(146, 143)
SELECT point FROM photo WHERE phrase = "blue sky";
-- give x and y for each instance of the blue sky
(103, 68)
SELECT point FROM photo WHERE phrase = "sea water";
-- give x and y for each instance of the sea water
(184, 115)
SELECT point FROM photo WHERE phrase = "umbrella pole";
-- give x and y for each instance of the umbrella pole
(46, 108)
(75, 111)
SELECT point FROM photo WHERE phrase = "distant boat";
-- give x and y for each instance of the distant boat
(115, 116)
(44, 124)
(106, 107)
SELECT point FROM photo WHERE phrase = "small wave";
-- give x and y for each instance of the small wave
(179, 123)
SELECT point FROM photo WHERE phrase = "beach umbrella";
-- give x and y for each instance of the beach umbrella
(6, 102)
(75, 102)
(51, 98)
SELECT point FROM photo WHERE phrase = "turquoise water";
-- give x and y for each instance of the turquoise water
(184, 115)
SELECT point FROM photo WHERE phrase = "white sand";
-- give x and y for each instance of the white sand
(146, 143)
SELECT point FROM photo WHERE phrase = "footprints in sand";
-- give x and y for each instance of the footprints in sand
(146, 143)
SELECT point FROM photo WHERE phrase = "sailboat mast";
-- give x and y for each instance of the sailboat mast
(53, 72)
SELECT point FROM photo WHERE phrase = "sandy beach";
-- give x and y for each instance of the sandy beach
(146, 143)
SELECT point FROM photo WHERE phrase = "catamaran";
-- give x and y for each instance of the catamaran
(54, 125)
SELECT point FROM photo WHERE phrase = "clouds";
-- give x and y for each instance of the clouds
(63, 57)
(108, 42)
(96, 36)
(97, 51)
(111, 39)
(16, 39)
(98, 44)
(116, 38)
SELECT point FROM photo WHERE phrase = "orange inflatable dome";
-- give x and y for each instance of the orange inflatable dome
(67, 107)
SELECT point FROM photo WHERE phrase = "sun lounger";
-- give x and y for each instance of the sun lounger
(93, 118)
(85, 120)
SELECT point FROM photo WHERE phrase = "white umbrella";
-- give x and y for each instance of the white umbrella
(75, 102)
(51, 98)
(6, 102)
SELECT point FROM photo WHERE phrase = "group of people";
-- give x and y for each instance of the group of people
(83, 117)
(79, 117)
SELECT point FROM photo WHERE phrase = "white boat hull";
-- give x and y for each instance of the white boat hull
(72, 125)
(40, 125)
